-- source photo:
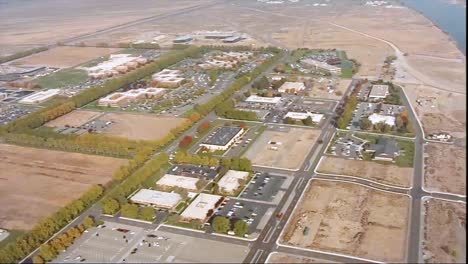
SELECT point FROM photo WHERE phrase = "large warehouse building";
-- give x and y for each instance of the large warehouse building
(40, 96)
(121, 98)
(222, 138)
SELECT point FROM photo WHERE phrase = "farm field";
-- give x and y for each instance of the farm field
(293, 145)
(64, 57)
(34, 183)
(278, 257)
(350, 219)
(442, 172)
(445, 231)
(370, 170)
(140, 126)
(74, 119)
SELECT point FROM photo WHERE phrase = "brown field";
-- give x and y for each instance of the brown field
(445, 232)
(278, 257)
(350, 219)
(320, 90)
(74, 119)
(140, 126)
(65, 57)
(387, 174)
(296, 143)
(34, 183)
(443, 172)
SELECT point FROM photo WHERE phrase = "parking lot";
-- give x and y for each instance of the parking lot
(347, 146)
(11, 112)
(365, 109)
(266, 187)
(119, 243)
(244, 142)
(254, 214)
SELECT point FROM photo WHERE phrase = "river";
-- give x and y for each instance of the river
(449, 17)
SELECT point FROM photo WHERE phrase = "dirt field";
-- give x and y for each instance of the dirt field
(295, 145)
(279, 257)
(34, 183)
(64, 57)
(387, 174)
(321, 91)
(140, 126)
(350, 219)
(443, 173)
(74, 119)
(445, 232)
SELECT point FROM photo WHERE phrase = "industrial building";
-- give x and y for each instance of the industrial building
(168, 78)
(233, 39)
(40, 96)
(198, 171)
(378, 91)
(121, 98)
(263, 100)
(321, 65)
(157, 199)
(222, 138)
(200, 207)
(291, 87)
(169, 180)
(229, 183)
(316, 118)
(218, 35)
(183, 39)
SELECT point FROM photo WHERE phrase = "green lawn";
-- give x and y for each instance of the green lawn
(407, 153)
(62, 78)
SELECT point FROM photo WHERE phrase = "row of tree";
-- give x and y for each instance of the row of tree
(26, 243)
(145, 213)
(223, 225)
(347, 115)
(227, 109)
(22, 54)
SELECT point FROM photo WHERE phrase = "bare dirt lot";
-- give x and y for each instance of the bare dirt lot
(445, 232)
(74, 119)
(387, 174)
(34, 183)
(442, 172)
(140, 126)
(320, 91)
(350, 219)
(64, 57)
(278, 257)
(292, 145)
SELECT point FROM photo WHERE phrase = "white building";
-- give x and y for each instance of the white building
(120, 98)
(40, 96)
(168, 78)
(316, 118)
(378, 118)
(170, 180)
(291, 87)
(322, 65)
(263, 100)
(115, 64)
(222, 138)
(230, 181)
(156, 198)
(199, 208)
(378, 91)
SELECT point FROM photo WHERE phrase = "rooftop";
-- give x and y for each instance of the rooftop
(378, 91)
(190, 170)
(170, 180)
(385, 147)
(378, 118)
(222, 135)
(316, 118)
(292, 85)
(199, 208)
(230, 181)
(259, 99)
(163, 199)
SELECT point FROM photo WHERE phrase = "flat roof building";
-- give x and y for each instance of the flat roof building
(378, 91)
(170, 180)
(385, 149)
(316, 118)
(232, 39)
(230, 181)
(198, 171)
(168, 78)
(199, 208)
(218, 35)
(378, 118)
(121, 98)
(183, 39)
(291, 87)
(264, 100)
(156, 198)
(40, 96)
(222, 138)
(321, 65)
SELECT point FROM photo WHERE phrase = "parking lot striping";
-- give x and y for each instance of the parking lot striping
(253, 201)
(130, 247)
(257, 255)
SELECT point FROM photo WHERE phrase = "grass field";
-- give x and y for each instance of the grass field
(34, 183)
(62, 78)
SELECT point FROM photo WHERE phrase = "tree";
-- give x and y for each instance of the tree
(37, 259)
(365, 123)
(130, 210)
(88, 222)
(201, 183)
(110, 206)
(308, 121)
(47, 252)
(147, 213)
(197, 224)
(221, 224)
(186, 141)
(280, 68)
(203, 127)
(241, 228)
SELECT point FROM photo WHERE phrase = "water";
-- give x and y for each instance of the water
(449, 17)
